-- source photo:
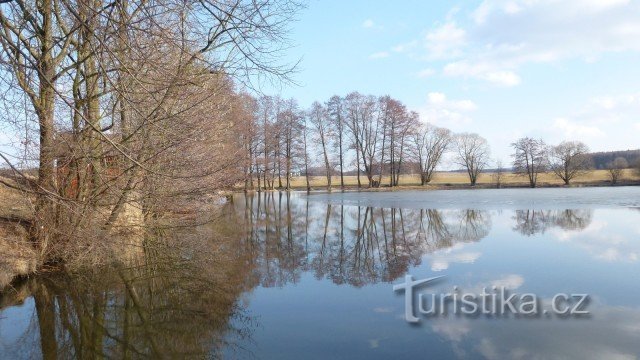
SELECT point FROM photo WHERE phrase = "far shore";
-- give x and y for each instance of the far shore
(460, 181)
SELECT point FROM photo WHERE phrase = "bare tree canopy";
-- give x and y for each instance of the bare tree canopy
(569, 159)
(530, 158)
(431, 142)
(319, 119)
(498, 173)
(615, 169)
(335, 113)
(472, 153)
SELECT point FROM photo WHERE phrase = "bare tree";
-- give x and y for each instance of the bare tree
(569, 159)
(335, 110)
(370, 127)
(305, 149)
(293, 127)
(498, 174)
(472, 154)
(132, 103)
(530, 158)
(353, 107)
(616, 168)
(319, 120)
(430, 144)
(401, 123)
(365, 127)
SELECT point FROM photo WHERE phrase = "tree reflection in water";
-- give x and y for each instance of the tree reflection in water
(183, 298)
(355, 245)
(532, 222)
(177, 304)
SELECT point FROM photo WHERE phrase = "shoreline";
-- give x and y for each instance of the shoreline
(432, 187)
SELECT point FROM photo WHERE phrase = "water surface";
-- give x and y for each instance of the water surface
(311, 276)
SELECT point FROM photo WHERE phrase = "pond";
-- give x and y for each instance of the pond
(311, 276)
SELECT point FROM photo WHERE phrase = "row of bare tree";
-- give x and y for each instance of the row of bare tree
(567, 160)
(377, 136)
(379, 139)
(128, 108)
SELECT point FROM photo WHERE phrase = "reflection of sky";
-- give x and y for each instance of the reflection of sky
(592, 250)
(14, 324)
(316, 318)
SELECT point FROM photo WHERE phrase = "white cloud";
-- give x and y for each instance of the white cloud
(484, 71)
(441, 262)
(443, 111)
(600, 120)
(451, 330)
(405, 47)
(425, 73)
(368, 24)
(445, 41)
(616, 103)
(504, 35)
(605, 239)
(561, 28)
(573, 130)
(504, 78)
(616, 339)
(496, 8)
(438, 99)
(379, 55)
(511, 282)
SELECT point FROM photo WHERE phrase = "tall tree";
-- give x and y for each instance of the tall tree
(353, 105)
(616, 168)
(569, 159)
(293, 124)
(530, 158)
(149, 88)
(319, 119)
(430, 144)
(33, 52)
(370, 126)
(335, 110)
(472, 152)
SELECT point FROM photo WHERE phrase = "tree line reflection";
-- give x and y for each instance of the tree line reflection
(170, 304)
(289, 235)
(532, 222)
(184, 298)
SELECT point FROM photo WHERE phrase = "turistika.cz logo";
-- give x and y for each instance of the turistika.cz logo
(494, 301)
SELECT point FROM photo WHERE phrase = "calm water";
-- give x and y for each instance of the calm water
(310, 276)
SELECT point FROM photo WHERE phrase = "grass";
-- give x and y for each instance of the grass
(14, 204)
(459, 179)
(16, 255)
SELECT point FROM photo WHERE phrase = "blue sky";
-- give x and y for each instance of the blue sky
(552, 69)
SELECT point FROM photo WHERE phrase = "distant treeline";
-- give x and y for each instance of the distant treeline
(601, 159)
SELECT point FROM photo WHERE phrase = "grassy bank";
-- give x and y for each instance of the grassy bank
(461, 180)
(17, 257)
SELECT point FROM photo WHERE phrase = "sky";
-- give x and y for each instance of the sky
(551, 69)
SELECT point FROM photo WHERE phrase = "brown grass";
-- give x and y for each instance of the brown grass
(443, 179)
(14, 204)
(16, 255)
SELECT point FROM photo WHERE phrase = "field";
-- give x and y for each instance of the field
(459, 179)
